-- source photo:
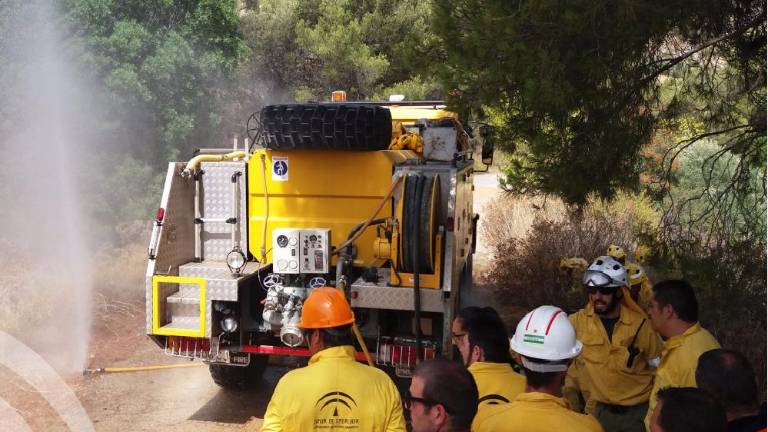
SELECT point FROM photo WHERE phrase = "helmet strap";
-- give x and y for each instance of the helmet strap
(545, 367)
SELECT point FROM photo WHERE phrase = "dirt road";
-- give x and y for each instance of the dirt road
(167, 400)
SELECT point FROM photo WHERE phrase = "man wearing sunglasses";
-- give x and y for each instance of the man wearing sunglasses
(442, 397)
(621, 350)
(334, 392)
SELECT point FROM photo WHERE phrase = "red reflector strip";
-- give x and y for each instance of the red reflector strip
(529, 321)
(286, 351)
(551, 320)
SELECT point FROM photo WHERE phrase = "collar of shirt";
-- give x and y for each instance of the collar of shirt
(345, 352)
(489, 367)
(538, 397)
(677, 340)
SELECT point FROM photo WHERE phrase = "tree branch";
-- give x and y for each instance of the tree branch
(671, 62)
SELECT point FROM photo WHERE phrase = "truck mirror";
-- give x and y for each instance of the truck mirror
(488, 144)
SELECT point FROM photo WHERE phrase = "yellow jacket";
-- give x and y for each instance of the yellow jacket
(679, 360)
(335, 393)
(534, 412)
(602, 365)
(497, 383)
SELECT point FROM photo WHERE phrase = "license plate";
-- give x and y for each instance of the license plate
(403, 371)
(239, 359)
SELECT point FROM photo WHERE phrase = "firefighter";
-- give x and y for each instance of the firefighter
(640, 287)
(547, 343)
(687, 409)
(620, 348)
(674, 313)
(442, 397)
(483, 342)
(729, 377)
(643, 254)
(617, 252)
(334, 392)
(573, 268)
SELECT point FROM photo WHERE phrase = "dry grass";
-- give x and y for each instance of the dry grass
(529, 237)
(23, 304)
(511, 218)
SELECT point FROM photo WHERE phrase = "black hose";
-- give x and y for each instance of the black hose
(357, 227)
(416, 227)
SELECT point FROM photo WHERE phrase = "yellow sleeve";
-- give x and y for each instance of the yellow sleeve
(396, 421)
(272, 420)
(572, 390)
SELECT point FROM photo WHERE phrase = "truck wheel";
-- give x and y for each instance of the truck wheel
(466, 293)
(326, 126)
(237, 377)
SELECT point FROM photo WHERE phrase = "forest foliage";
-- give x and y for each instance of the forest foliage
(589, 98)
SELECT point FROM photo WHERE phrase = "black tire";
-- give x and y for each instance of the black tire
(240, 378)
(466, 292)
(326, 126)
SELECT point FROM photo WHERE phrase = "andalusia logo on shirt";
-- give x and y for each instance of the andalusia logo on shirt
(493, 399)
(336, 410)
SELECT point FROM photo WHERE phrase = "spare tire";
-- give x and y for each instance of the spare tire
(326, 126)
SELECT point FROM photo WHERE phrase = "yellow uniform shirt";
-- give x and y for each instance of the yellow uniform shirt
(679, 360)
(534, 412)
(602, 365)
(497, 383)
(335, 393)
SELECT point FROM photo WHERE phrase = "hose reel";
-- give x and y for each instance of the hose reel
(421, 194)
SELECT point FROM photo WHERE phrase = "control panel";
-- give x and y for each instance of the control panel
(297, 251)
(285, 251)
(315, 250)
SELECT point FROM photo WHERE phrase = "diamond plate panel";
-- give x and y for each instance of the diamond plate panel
(380, 296)
(175, 244)
(220, 285)
(216, 202)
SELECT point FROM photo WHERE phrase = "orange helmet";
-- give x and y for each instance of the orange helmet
(326, 307)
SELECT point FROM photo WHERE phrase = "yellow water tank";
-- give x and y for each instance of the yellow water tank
(318, 189)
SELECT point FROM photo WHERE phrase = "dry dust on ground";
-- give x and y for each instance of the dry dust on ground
(175, 399)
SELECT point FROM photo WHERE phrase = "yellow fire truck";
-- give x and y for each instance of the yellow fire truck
(372, 198)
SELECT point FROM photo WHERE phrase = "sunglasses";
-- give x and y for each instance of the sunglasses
(456, 337)
(604, 290)
(410, 399)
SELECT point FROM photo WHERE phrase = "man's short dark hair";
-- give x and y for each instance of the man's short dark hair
(451, 385)
(336, 336)
(486, 330)
(688, 409)
(680, 295)
(729, 377)
(537, 380)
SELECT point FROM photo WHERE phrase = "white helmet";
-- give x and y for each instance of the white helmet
(606, 272)
(545, 333)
